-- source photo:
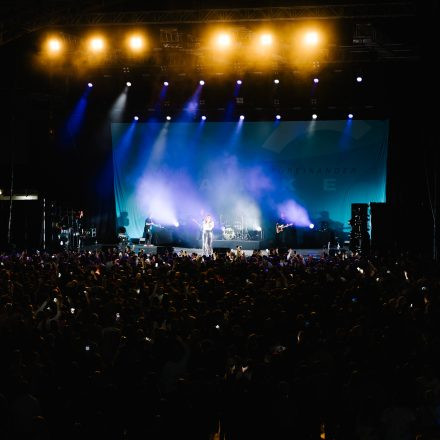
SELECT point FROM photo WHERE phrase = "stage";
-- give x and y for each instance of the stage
(218, 246)
(232, 244)
(155, 250)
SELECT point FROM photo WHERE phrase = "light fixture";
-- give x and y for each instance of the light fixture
(136, 43)
(96, 44)
(223, 40)
(311, 38)
(266, 39)
(54, 45)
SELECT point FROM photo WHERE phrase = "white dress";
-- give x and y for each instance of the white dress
(207, 227)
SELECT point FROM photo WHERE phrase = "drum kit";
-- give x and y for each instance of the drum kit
(228, 233)
(234, 228)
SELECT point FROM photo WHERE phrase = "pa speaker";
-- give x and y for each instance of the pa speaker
(381, 225)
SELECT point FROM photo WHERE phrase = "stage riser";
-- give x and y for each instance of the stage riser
(232, 244)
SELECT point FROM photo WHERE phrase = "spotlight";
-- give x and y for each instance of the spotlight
(54, 45)
(203, 118)
(96, 44)
(201, 82)
(316, 80)
(359, 79)
(241, 117)
(166, 83)
(239, 82)
(136, 43)
(314, 116)
(89, 84)
(223, 41)
(276, 81)
(311, 38)
(128, 83)
(350, 116)
(136, 118)
(311, 226)
(258, 228)
(266, 40)
(168, 118)
(176, 224)
(278, 117)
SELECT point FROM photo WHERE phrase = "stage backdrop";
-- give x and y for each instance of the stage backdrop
(306, 171)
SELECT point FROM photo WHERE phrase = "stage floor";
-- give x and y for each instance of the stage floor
(232, 244)
(153, 250)
(248, 252)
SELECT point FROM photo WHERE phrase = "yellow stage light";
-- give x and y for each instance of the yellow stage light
(311, 38)
(136, 43)
(223, 40)
(54, 45)
(96, 44)
(266, 40)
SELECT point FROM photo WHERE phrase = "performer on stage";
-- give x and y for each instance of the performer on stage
(148, 230)
(285, 233)
(207, 228)
(280, 236)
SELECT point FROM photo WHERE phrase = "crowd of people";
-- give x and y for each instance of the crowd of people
(115, 344)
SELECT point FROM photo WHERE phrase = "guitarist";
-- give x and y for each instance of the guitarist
(280, 235)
